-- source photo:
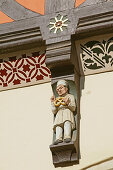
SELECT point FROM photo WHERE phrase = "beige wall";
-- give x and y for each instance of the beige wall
(26, 125)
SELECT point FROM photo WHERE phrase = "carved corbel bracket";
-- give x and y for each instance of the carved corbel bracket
(64, 154)
(58, 52)
(61, 56)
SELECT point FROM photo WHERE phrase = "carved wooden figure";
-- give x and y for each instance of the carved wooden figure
(63, 107)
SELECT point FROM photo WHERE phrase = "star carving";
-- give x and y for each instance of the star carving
(58, 24)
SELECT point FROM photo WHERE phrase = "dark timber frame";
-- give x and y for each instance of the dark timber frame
(87, 20)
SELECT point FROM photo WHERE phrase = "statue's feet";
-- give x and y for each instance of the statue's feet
(67, 140)
(57, 142)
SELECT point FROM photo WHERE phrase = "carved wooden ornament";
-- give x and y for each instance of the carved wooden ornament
(64, 107)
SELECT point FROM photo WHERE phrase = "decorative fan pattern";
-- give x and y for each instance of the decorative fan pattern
(27, 8)
(23, 70)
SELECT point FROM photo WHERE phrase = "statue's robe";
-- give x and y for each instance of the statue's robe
(64, 113)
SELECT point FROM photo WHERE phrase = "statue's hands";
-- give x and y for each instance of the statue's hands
(52, 99)
(66, 100)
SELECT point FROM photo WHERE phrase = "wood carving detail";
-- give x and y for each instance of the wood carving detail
(58, 24)
(64, 154)
(97, 55)
(64, 147)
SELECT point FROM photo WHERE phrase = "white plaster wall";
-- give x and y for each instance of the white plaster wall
(25, 128)
(26, 125)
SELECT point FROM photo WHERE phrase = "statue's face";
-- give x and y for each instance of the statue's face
(61, 90)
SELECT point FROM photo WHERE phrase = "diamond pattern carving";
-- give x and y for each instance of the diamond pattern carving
(24, 70)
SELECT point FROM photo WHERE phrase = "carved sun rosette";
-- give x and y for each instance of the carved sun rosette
(58, 24)
(97, 55)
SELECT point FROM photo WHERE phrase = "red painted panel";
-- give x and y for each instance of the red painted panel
(23, 70)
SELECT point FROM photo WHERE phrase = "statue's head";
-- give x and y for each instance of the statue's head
(62, 87)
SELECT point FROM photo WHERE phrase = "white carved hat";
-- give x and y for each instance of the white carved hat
(62, 82)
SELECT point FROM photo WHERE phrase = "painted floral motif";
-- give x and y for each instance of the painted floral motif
(58, 24)
(97, 55)
(23, 70)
